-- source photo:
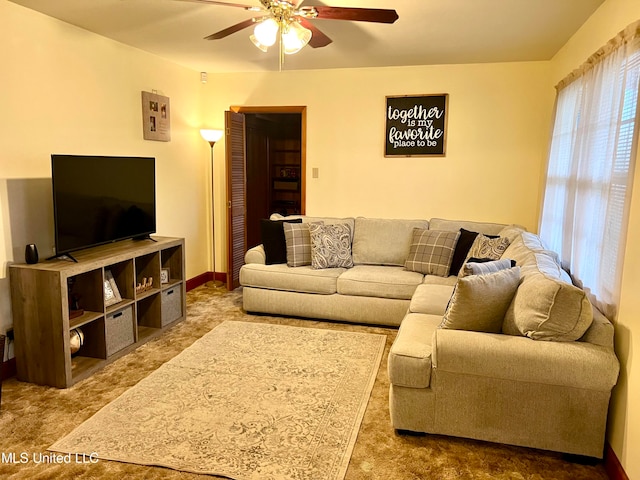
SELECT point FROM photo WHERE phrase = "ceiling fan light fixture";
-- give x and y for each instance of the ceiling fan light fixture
(294, 38)
(265, 34)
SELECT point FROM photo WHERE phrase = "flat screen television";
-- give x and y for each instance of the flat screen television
(99, 199)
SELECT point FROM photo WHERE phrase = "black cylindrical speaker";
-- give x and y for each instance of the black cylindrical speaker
(31, 253)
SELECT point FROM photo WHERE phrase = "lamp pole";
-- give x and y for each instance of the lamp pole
(212, 136)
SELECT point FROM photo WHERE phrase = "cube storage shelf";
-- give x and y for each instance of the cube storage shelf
(45, 294)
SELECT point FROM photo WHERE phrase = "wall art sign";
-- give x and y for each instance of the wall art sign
(416, 126)
(156, 119)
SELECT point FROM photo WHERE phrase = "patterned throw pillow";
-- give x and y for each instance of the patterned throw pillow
(485, 247)
(330, 246)
(431, 251)
(298, 241)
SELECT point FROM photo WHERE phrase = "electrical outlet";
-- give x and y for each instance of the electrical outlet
(10, 334)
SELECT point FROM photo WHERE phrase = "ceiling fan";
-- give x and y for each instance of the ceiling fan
(286, 22)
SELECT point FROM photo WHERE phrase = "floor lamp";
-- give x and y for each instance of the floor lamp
(212, 136)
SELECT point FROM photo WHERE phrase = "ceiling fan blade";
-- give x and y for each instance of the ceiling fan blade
(232, 29)
(378, 15)
(318, 39)
(225, 4)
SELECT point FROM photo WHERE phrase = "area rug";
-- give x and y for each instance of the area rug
(246, 401)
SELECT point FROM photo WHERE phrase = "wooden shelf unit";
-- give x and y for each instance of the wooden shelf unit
(41, 295)
(285, 176)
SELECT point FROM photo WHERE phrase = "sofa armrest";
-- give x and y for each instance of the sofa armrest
(255, 255)
(409, 361)
(573, 364)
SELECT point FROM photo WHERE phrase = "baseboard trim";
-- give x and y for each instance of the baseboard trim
(612, 465)
(204, 278)
(197, 281)
(8, 369)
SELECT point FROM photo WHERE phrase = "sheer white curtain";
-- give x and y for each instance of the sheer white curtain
(590, 170)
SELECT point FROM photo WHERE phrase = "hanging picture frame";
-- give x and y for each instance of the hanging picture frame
(156, 117)
(416, 126)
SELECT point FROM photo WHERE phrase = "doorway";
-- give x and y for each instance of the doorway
(273, 168)
(266, 165)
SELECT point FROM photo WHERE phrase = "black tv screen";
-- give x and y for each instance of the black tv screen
(97, 199)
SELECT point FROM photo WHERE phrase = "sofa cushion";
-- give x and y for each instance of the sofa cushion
(272, 236)
(309, 219)
(435, 280)
(546, 308)
(528, 363)
(431, 251)
(486, 228)
(298, 241)
(330, 245)
(524, 245)
(479, 302)
(409, 363)
(542, 262)
(511, 232)
(292, 279)
(378, 241)
(431, 299)
(379, 281)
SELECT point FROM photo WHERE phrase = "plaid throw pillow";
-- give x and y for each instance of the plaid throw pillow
(298, 240)
(431, 251)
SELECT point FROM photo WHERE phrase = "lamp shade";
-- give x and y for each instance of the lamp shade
(257, 43)
(295, 38)
(210, 135)
(265, 33)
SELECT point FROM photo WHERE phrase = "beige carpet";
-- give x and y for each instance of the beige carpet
(33, 417)
(247, 401)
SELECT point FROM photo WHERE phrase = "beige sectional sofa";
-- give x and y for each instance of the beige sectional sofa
(541, 377)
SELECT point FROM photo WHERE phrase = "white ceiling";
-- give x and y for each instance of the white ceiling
(427, 32)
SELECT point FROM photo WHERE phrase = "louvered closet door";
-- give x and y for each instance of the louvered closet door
(236, 201)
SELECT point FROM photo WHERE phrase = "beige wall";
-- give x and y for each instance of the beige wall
(64, 90)
(624, 419)
(497, 128)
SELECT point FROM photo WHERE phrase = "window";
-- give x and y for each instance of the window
(590, 171)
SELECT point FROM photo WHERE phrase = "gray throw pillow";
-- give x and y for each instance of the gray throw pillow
(482, 268)
(330, 246)
(480, 302)
(431, 251)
